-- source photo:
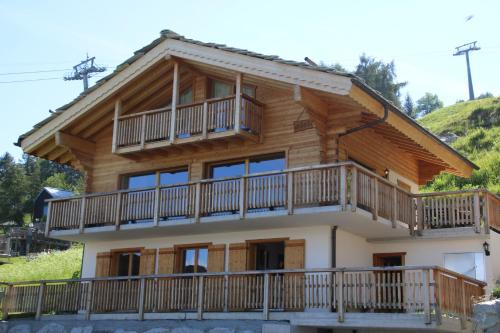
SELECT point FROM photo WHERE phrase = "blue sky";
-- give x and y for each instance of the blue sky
(418, 35)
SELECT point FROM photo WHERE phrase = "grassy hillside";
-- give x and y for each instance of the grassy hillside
(55, 265)
(473, 128)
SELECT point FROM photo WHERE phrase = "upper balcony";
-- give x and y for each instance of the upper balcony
(212, 119)
(344, 194)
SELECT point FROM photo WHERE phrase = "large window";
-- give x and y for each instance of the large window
(467, 263)
(258, 164)
(266, 255)
(221, 89)
(186, 96)
(151, 179)
(126, 263)
(194, 260)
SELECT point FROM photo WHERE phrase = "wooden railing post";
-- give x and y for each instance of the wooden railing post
(437, 294)
(477, 213)
(265, 306)
(463, 313)
(226, 293)
(143, 131)
(420, 215)
(242, 197)
(39, 303)
(375, 198)
(205, 120)
(200, 298)
(289, 192)
(237, 104)
(354, 188)
(118, 111)
(394, 203)
(118, 211)
(413, 218)
(427, 290)
(88, 306)
(47, 219)
(157, 206)
(175, 97)
(340, 296)
(486, 210)
(142, 293)
(82, 214)
(197, 203)
(343, 187)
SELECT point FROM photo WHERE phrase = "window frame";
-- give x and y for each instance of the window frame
(211, 79)
(115, 259)
(180, 251)
(207, 170)
(124, 178)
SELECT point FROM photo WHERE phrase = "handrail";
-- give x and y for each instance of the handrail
(138, 114)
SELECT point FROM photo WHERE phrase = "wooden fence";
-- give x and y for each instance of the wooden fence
(428, 290)
(339, 184)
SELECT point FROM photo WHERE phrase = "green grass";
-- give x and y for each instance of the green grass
(54, 265)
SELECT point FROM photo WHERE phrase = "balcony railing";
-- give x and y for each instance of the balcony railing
(428, 290)
(203, 120)
(344, 186)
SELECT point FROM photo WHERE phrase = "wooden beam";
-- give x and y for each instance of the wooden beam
(74, 143)
(175, 98)
(309, 100)
(237, 102)
(118, 112)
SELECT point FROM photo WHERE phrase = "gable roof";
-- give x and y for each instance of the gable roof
(168, 34)
(57, 193)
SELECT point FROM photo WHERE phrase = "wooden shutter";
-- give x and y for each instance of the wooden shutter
(295, 254)
(148, 262)
(237, 257)
(216, 256)
(102, 264)
(166, 261)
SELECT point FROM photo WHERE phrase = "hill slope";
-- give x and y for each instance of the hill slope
(472, 128)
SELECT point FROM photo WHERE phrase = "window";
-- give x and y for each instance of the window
(186, 96)
(221, 89)
(194, 260)
(467, 263)
(267, 255)
(152, 179)
(274, 162)
(249, 90)
(127, 263)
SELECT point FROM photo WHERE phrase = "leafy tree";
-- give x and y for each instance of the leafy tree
(381, 77)
(428, 103)
(485, 95)
(13, 190)
(409, 107)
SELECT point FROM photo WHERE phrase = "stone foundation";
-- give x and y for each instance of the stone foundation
(487, 316)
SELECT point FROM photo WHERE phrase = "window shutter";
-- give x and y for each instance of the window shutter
(148, 262)
(237, 257)
(103, 263)
(295, 254)
(216, 256)
(166, 261)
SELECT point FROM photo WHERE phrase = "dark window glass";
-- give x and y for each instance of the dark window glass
(275, 163)
(227, 170)
(129, 263)
(269, 256)
(135, 263)
(175, 177)
(186, 96)
(221, 89)
(195, 260)
(249, 91)
(139, 181)
(123, 264)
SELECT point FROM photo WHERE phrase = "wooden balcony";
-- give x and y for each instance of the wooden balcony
(429, 293)
(211, 119)
(343, 187)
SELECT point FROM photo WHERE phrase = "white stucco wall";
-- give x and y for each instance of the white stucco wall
(317, 243)
(352, 250)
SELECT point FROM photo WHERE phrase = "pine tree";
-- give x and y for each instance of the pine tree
(409, 107)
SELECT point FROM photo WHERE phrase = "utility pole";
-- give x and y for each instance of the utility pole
(84, 70)
(465, 49)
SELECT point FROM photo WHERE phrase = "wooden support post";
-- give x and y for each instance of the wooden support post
(354, 188)
(343, 187)
(420, 215)
(88, 306)
(289, 190)
(265, 305)
(242, 201)
(226, 293)
(463, 312)
(375, 198)
(142, 294)
(175, 98)
(237, 104)
(477, 213)
(437, 295)
(205, 120)
(82, 214)
(47, 220)
(486, 210)
(118, 112)
(157, 206)
(197, 203)
(413, 219)
(143, 131)
(427, 290)
(394, 217)
(118, 212)
(39, 304)
(5, 302)
(340, 298)
(200, 298)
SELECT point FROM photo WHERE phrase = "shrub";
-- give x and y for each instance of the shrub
(496, 292)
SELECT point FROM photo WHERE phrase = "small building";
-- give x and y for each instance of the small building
(40, 206)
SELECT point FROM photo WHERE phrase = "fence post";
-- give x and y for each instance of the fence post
(205, 120)
(82, 215)
(343, 187)
(265, 306)
(427, 301)
(226, 293)
(5, 303)
(354, 188)
(88, 306)
(39, 303)
(156, 208)
(477, 213)
(142, 292)
(486, 210)
(437, 295)
(289, 189)
(375, 198)
(394, 206)
(143, 131)
(200, 298)
(243, 190)
(197, 203)
(118, 211)
(340, 296)
(47, 219)
(420, 215)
